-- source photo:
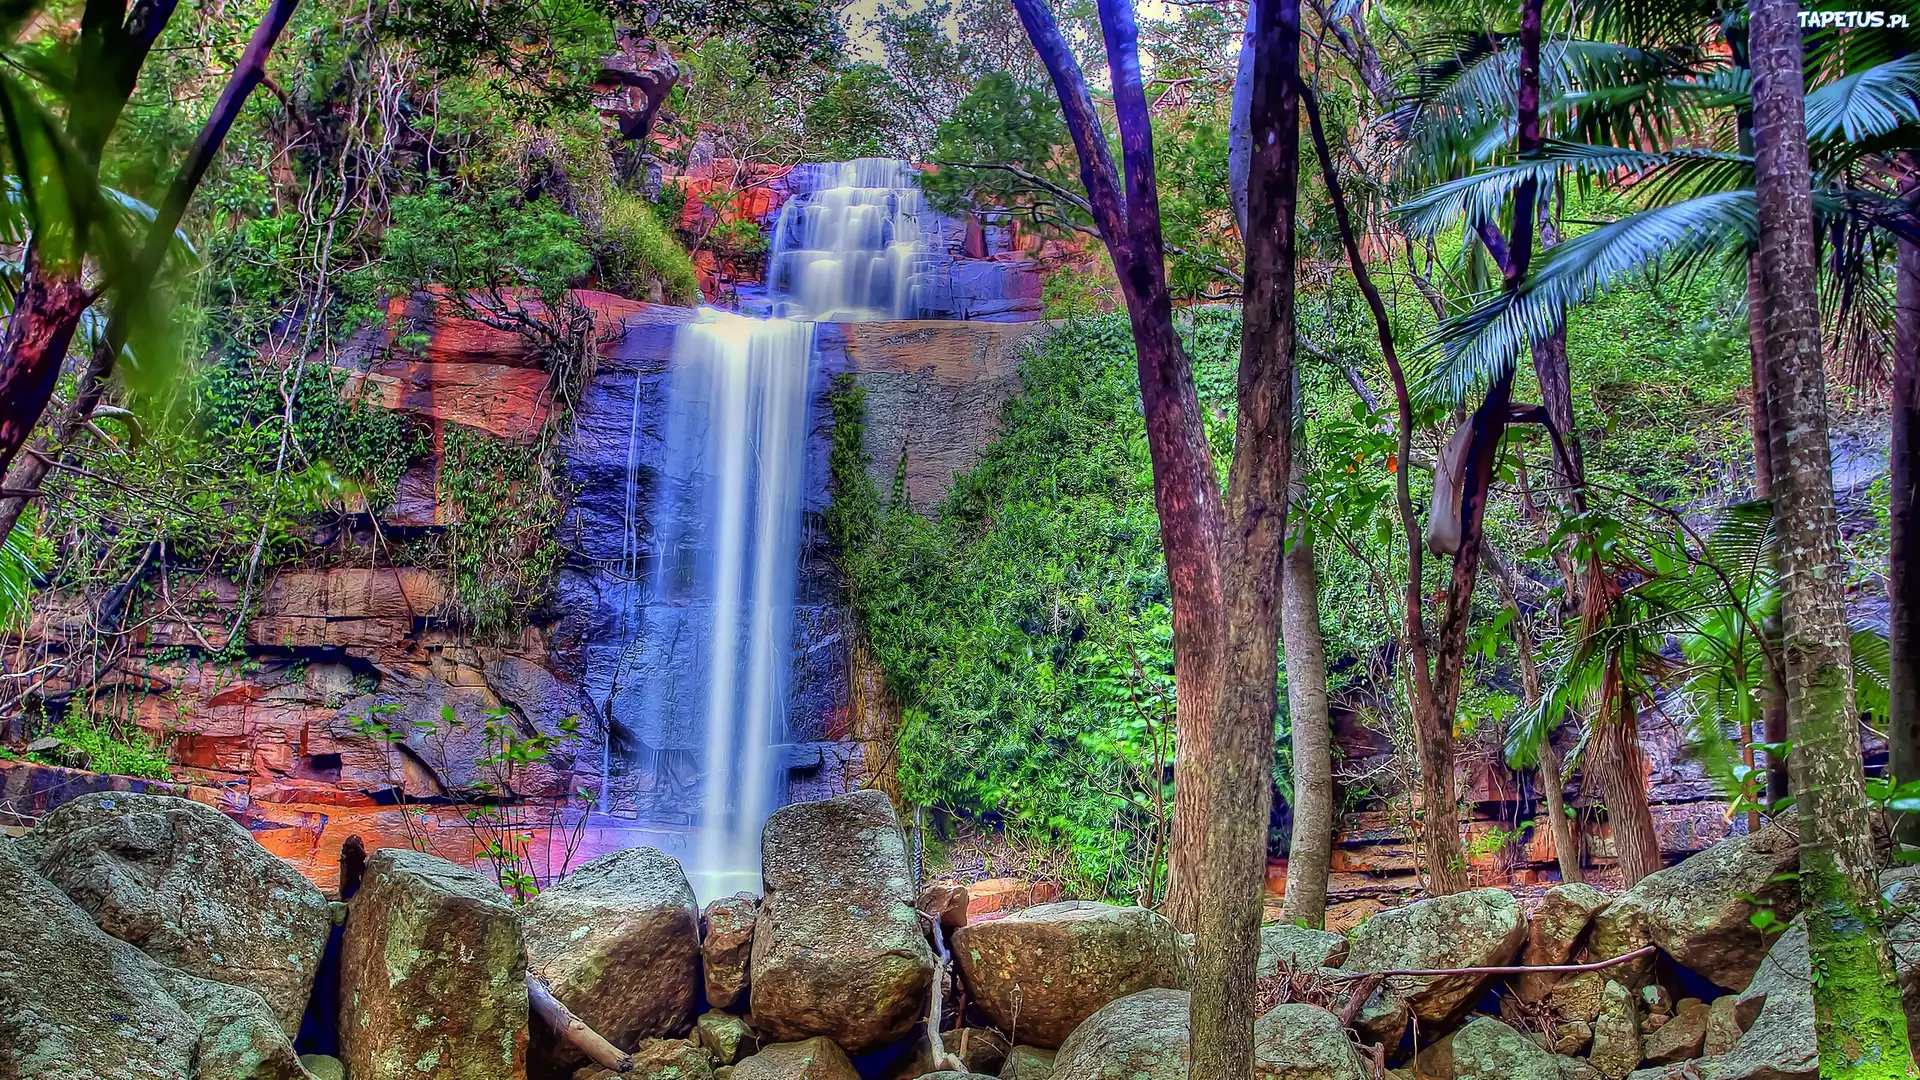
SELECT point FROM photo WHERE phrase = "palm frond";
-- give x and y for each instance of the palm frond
(1866, 104)
(1471, 348)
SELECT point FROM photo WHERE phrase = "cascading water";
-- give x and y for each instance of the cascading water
(712, 618)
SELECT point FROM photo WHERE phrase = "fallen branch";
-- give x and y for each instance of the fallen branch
(1544, 969)
(937, 1052)
(573, 1030)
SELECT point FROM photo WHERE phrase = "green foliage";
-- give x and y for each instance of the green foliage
(489, 243)
(638, 256)
(1026, 627)
(102, 744)
(502, 552)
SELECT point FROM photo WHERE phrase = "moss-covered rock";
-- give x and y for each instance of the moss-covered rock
(837, 947)
(1478, 928)
(618, 941)
(190, 888)
(1041, 971)
(1487, 1049)
(1617, 1045)
(432, 975)
(1297, 1041)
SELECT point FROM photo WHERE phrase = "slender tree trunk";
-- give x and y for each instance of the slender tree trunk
(1773, 696)
(1309, 860)
(1858, 1020)
(1613, 755)
(1223, 554)
(1553, 779)
(1903, 575)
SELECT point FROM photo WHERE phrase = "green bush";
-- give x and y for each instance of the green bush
(637, 255)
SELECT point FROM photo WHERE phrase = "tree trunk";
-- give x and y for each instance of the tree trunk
(1773, 696)
(1903, 576)
(1308, 861)
(1858, 1020)
(1613, 755)
(45, 315)
(1223, 555)
(1566, 848)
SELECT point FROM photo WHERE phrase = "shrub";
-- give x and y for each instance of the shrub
(638, 256)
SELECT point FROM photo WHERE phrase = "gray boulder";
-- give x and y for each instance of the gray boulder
(432, 969)
(1141, 1036)
(1478, 928)
(190, 888)
(618, 942)
(1487, 1049)
(1296, 948)
(1298, 1041)
(77, 1004)
(809, 1059)
(1776, 1009)
(1681, 1038)
(1700, 911)
(1028, 1063)
(1553, 933)
(837, 947)
(1041, 971)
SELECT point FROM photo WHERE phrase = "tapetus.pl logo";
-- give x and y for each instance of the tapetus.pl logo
(1854, 20)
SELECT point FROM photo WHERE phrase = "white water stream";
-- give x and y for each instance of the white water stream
(726, 521)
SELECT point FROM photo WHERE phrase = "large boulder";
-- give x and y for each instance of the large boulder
(433, 970)
(190, 888)
(726, 948)
(1478, 928)
(1555, 931)
(809, 1059)
(1296, 948)
(77, 1004)
(618, 941)
(837, 947)
(1041, 971)
(1776, 1009)
(1700, 910)
(1141, 1036)
(1298, 1041)
(1487, 1049)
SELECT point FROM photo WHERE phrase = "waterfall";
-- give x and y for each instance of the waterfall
(710, 616)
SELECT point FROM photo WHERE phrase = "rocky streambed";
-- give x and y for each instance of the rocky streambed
(145, 936)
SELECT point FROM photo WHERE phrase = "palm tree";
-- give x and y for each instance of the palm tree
(1858, 1019)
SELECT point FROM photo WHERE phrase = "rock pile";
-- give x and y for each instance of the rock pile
(151, 937)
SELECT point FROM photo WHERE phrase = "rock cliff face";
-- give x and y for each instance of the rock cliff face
(283, 738)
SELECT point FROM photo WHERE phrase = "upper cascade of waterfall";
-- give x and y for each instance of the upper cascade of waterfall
(849, 245)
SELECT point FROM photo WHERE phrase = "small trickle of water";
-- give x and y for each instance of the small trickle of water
(714, 623)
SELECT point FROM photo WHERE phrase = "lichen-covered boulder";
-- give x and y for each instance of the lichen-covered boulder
(1296, 948)
(432, 975)
(1723, 1026)
(1700, 910)
(1554, 931)
(1141, 1036)
(1028, 1063)
(323, 1066)
(1617, 1046)
(726, 948)
(726, 1037)
(190, 888)
(1478, 928)
(77, 1004)
(1297, 1041)
(1776, 1009)
(670, 1059)
(809, 1059)
(837, 947)
(618, 942)
(1487, 1049)
(1041, 971)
